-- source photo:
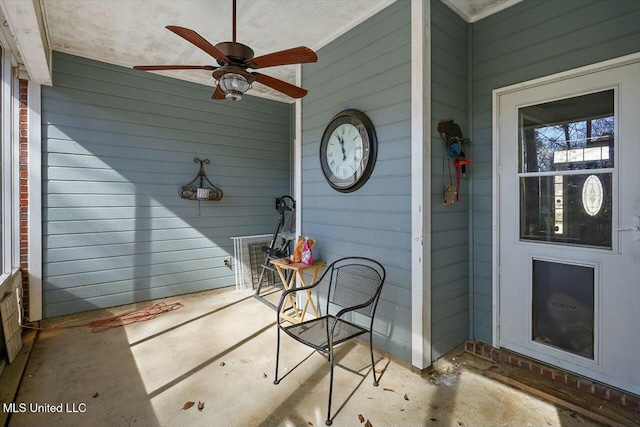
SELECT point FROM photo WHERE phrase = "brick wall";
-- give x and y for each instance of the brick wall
(24, 194)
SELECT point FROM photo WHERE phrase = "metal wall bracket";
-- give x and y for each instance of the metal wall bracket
(198, 189)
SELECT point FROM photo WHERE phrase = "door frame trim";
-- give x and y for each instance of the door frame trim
(495, 161)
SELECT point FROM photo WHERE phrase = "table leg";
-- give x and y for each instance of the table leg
(309, 299)
(288, 284)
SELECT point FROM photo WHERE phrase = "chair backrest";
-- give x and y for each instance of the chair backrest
(355, 281)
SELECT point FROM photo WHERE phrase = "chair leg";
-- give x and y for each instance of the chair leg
(373, 363)
(276, 381)
(329, 422)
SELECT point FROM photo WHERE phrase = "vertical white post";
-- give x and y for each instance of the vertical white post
(420, 183)
(297, 163)
(35, 202)
(297, 155)
(6, 160)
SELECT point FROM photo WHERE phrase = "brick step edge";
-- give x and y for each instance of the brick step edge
(626, 400)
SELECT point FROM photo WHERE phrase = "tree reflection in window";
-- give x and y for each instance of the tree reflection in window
(570, 134)
(566, 165)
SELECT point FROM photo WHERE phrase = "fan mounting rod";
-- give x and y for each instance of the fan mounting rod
(234, 21)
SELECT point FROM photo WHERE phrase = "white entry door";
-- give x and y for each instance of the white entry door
(568, 212)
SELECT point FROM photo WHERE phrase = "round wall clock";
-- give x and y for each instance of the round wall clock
(348, 150)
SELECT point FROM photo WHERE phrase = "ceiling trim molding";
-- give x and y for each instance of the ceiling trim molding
(352, 24)
(27, 24)
(478, 15)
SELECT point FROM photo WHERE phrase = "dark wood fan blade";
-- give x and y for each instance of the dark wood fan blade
(198, 40)
(218, 94)
(281, 86)
(296, 55)
(174, 67)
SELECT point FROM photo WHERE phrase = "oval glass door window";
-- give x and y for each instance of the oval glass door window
(592, 195)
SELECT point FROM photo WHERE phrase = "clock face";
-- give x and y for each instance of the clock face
(344, 151)
(348, 151)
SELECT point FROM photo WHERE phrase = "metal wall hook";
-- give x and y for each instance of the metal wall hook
(200, 188)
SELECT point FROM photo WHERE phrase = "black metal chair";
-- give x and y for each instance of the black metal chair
(355, 284)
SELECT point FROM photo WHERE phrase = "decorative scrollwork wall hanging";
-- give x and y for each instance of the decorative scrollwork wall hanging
(200, 190)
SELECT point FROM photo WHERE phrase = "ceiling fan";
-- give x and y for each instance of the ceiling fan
(234, 58)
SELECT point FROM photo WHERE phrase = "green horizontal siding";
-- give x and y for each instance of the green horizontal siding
(449, 224)
(530, 40)
(117, 146)
(373, 61)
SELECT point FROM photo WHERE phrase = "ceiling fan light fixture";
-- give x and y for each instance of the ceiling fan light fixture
(234, 86)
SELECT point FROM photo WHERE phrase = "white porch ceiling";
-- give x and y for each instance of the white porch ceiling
(132, 32)
(475, 10)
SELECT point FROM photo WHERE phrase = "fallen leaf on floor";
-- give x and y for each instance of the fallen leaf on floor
(389, 389)
(361, 418)
(368, 424)
(264, 375)
(379, 371)
(406, 397)
(370, 398)
(434, 419)
(188, 405)
(96, 395)
(310, 423)
(200, 406)
(222, 363)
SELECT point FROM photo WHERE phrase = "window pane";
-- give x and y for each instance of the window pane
(571, 134)
(571, 209)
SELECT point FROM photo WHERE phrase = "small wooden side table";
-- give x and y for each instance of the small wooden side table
(298, 269)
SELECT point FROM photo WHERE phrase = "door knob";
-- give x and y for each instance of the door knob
(635, 227)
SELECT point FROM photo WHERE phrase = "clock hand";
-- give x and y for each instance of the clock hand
(344, 154)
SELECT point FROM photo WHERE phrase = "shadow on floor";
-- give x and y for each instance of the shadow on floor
(219, 350)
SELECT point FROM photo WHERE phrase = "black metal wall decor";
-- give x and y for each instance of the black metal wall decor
(198, 189)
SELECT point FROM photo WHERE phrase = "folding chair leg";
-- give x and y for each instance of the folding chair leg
(276, 381)
(329, 422)
(373, 363)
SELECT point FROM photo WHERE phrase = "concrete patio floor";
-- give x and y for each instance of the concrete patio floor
(219, 349)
